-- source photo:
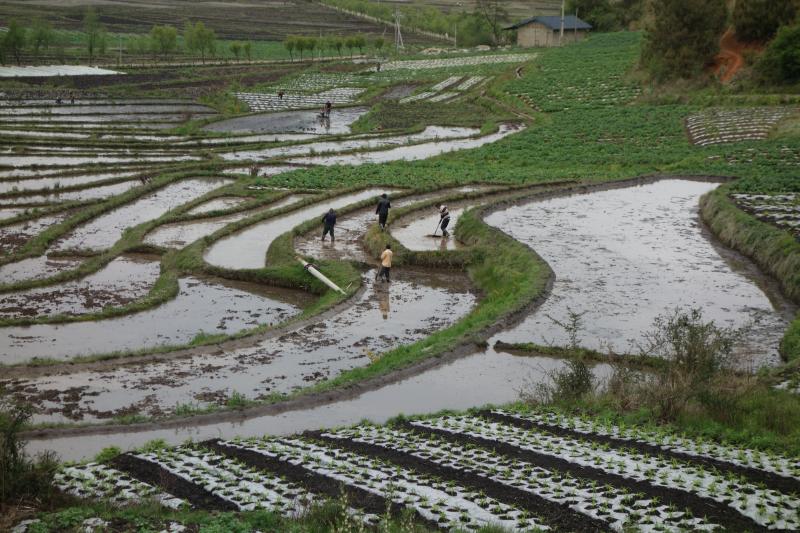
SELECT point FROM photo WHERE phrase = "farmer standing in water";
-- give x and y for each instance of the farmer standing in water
(386, 263)
(328, 221)
(444, 220)
(383, 210)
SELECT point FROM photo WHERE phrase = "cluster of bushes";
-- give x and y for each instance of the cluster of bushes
(608, 15)
(310, 44)
(39, 37)
(683, 37)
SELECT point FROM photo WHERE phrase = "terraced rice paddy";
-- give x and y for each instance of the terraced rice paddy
(455, 85)
(275, 102)
(782, 210)
(424, 64)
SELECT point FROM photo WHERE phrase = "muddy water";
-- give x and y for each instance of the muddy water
(6, 213)
(97, 192)
(242, 139)
(105, 230)
(105, 109)
(37, 183)
(248, 248)
(48, 134)
(350, 230)
(292, 122)
(361, 143)
(13, 236)
(26, 161)
(123, 280)
(408, 153)
(218, 204)
(626, 256)
(117, 118)
(36, 268)
(180, 234)
(414, 305)
(415, 233)
(452, 386)
(202, 306)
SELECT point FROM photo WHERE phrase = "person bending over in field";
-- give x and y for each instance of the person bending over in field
(383, 210)
(444, 220)
(386, 263)
(328, 222)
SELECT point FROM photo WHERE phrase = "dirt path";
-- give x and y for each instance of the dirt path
(729, 61)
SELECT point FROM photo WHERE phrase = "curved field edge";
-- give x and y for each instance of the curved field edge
(775, 251)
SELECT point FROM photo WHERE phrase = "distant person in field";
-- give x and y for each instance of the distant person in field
(280, 95)
(444, 220)
(328, 107)
(378, 68)
(328, 222)
(386, 263)
(383, 210)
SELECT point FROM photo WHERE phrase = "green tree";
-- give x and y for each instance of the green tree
(495, 14)
(95, 33)
(780, 63)
(378, 44)
(236, 49)
(290, 43)
(601, 14)
(758, 20)
(164, 39)
(311, 45)
(360, 42)
(199, 39)
(300, 45)
(139, 45)
(14, 41)
(247, 48)
(339, 44)
(350, 43)
(683, 37)
(41, 36)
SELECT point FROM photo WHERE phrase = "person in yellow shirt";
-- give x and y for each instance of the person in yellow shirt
(386, 263)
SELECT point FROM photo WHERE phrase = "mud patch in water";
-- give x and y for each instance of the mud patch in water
(105, 230)
(292, 122)
(37, 268)
(626, 256)
(218, 204)
(123, 280)
(203, 306)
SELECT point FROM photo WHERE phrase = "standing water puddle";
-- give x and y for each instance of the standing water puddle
(180, 234)
(123, 280)
(292, 122)
(626, 256)
(415, 305)
(201, 307)
(248, 248)
(107, 229)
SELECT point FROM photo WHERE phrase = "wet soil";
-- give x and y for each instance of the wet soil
(97, 192)
(292, 122)
(123, 280)
(36, 183)
(180, 234)
(625, 256)
(13, 236)
(416, 304)
(218, 204)
(117, 109)
(37, 268)
(415, 233)
(203, 306)
(105, 230)
(27, 161)
(408, 153)
(248, 248)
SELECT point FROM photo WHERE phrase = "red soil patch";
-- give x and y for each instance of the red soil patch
(730, 60)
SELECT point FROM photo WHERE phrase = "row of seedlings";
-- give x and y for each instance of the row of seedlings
(437, 93)
(718, 126)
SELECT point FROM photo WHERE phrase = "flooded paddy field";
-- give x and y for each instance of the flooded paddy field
(248, 248)
(625, 256)
(40, 267)
(123, 280)
(27, 161)
(413, 306)
(202, 307)
(292, 122)
(414, 232)
(105, 109)
(105, 230)
(37, 183)
(15, 235)
(96, 192)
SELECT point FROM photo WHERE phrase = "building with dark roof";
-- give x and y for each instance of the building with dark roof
(546, 31)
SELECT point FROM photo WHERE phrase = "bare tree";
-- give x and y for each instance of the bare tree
(495, 14)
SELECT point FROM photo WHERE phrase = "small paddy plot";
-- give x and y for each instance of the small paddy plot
(218, 204)
(96, 192)
(314, 82)
(248, 248)
(415, 232)
(101, 482)
(273, 102)
(41, 184)
(40, 267)
(627, 256)
(54, 70)
(13, 236)
(43, 134)
(242, 139)
(263, 171)
(423, 64)
(105, 230)
(202, 306)
(718, 126)
(446, 504)
(86, 121)
(409, 153)
(65, 160)
(359, 143)
(106, 109)
(470, 82)
(724, 498)
(292, 122)
(441, 97)
(123, 280)
(415, 304)
(10, 212)
(782, 210)
(180, 234)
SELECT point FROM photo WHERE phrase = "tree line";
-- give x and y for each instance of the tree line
(333, 43)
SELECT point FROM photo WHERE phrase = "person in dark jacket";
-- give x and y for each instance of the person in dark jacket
(444, 219)
(383, 211)
(328, 222)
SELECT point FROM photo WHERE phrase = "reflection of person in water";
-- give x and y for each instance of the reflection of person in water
(383, 302)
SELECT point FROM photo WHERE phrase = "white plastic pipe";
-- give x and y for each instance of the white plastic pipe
(317, 274)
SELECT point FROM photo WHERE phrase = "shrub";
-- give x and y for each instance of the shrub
(565, 385)
(21, 477)
(683, 37)
(758, 20)
(780, 63)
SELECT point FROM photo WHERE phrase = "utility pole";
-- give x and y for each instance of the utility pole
(561, 34)
(398, 36)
